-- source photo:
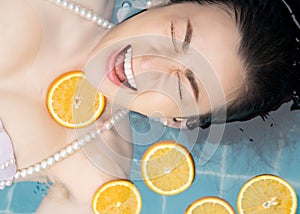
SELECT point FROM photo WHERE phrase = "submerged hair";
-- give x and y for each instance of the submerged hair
(269, 49)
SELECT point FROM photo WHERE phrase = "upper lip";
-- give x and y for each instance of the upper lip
(122, 68)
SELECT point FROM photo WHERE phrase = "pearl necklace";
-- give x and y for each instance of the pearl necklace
(83, 12)
(65, 152)
(89, 137)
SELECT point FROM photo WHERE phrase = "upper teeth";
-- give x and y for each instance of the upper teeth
(127, 68)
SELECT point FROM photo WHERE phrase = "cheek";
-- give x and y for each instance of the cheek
(155, 103)
(108, 89)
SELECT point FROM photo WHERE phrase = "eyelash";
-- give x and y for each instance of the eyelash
(179, 86)
(178, 71)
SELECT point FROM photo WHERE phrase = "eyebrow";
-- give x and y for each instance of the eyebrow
(185, 46)
(191, 78)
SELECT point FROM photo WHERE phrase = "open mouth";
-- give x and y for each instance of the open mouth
(120, 68)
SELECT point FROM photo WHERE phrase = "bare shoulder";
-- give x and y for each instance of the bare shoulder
(20, 35)
(59, 200)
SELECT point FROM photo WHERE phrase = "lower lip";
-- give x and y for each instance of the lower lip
(110, 67)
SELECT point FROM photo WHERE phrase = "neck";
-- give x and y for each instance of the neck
(67, 38)
(58, 13)
(63, 25)
(104, 8)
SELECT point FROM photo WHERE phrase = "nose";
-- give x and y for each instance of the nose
(159, 63)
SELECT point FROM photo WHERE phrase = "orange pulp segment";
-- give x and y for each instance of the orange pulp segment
(73, 102)
(118, 197)
(167, 168)
(210, 205)
(267, 194)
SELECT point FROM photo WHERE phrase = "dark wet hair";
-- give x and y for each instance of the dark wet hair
(269, 48)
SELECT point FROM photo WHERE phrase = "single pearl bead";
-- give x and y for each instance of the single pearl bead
(117, 117)
(17, 175)
(58, 1)
(110, 26)
(98, 131)
(75, 145)
(7, 163)
(50, 161)
(44, 164)
(94, 134)
(89, 15)
(37, 167)
(107, 125)
(121, 113)
(105, 24)
(83, 12)
(81, 142)
(57, 157)
(23, 173)
(76, 9)
(70, 150)
(94, 18)
(64, 4)
(99, 20)
(71, 6)
(63, 153)
(148, 4)
(88, 138)
(8, 183)
(2, 166)
(30, 171)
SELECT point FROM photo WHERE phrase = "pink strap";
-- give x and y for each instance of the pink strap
(8, 166)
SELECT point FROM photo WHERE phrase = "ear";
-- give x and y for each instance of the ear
(178, 123)
(154, 3)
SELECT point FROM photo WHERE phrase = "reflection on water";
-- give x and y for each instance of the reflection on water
(247, 149)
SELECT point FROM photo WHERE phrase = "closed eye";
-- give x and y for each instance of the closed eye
(179, 85)
(173, 35)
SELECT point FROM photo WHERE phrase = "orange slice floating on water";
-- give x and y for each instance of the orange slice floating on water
(73, 102)
(267, 194)
(167, 168)
(210, 205)
(117, 197)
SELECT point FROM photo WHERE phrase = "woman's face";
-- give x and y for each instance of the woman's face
(173, 61)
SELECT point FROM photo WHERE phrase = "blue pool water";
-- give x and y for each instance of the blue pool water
(246, 150)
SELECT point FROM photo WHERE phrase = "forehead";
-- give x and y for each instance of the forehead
(215, 34)
(216, 37)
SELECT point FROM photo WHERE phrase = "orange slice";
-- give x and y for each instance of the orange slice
(117, 197)
(267, 194)
(167, 168)
(73, 102)
(213, 205)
